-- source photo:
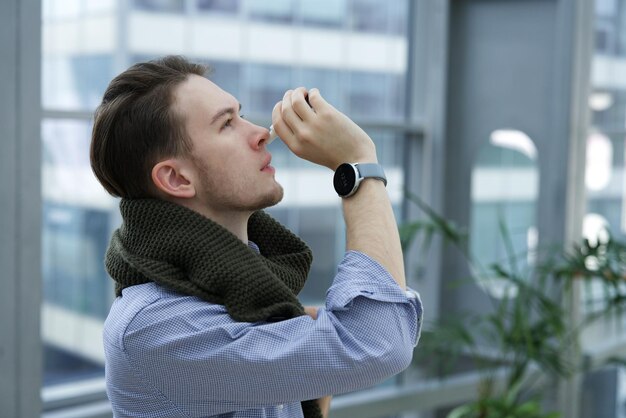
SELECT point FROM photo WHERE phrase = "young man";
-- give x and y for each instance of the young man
(207, 322)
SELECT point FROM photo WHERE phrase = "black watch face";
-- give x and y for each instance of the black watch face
(344, 180)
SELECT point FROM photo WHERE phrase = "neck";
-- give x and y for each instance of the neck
(234, 221)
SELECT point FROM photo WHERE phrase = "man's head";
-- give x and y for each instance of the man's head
(135, 125)
(163, 130)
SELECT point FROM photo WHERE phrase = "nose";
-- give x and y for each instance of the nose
(259, 137)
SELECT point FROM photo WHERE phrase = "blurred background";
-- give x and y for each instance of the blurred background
(499, 115)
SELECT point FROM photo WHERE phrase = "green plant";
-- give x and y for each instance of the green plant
(602, 262)
(506, 405)
(526, 326)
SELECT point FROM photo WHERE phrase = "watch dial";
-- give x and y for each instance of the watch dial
(344, 180)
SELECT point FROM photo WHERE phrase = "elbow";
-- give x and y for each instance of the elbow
(387, 360)
(397, 358)
(399, 349)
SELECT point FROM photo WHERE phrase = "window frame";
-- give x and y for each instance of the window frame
(20, 217)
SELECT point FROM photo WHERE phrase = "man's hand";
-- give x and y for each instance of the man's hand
(324, 402)
(323, 135)
(318, 132)
(311, 311)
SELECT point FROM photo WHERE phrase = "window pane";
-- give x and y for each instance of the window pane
(266, 86)
(78, 217)
(324, 13)
(171, 6)
(223, 6)
(378, 16)
(281, 11)
(377, 96)
(505, 189)
(77, 82)
(604, 175)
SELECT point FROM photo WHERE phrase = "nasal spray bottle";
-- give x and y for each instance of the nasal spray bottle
(273, 134)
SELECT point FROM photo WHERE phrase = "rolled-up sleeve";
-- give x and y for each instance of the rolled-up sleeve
(361, 276)
(193, 354)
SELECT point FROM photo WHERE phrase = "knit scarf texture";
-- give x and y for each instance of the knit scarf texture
(181, 250)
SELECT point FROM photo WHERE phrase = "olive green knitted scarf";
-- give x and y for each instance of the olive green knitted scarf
(177, 248)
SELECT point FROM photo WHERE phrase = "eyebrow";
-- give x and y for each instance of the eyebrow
(227, 110)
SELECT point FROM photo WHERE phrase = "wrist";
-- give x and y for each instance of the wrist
(363, 152)
(362, 159)
(348, 176)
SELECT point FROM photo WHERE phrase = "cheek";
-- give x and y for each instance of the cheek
(217, 158)
(226, 166)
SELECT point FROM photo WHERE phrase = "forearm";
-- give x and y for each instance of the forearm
(371, 227)
(316, 131)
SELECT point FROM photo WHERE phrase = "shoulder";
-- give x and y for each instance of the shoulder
(148, 310)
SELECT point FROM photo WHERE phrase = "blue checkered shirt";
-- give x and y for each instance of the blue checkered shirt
(170, 355)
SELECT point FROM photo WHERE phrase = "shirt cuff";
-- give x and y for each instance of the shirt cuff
(360, 275)
(416, 300)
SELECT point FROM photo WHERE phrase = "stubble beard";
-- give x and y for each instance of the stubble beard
(233, 199)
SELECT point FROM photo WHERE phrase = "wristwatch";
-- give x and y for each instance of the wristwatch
(348, 176)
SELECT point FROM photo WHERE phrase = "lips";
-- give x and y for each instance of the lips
(267, 162)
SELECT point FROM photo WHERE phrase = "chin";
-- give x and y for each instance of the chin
(268, 200)
(275, 199)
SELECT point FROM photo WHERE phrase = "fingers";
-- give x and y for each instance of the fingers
(290, 116)
(317, 102)
(296, 109)
(300, 104)
(280, 127)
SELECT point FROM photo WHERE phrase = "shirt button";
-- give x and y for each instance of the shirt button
(281, 406)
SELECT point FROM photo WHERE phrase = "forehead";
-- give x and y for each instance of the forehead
(199, 93)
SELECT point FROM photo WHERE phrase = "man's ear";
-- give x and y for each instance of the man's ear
(173, 178)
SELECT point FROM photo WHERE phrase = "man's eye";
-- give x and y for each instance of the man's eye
(230, 120)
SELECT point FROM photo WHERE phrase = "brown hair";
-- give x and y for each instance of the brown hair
(135, 125)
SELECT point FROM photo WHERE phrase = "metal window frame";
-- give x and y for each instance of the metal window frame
(20, 208)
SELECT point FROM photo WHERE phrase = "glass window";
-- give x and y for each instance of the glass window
(60, 9)
(604, 176)
(75, 82)
(323, 13)
(369, 15)
(604, 179)
(221, 6)
(329, 83)
(227, 75)
(166, 6)
(321, 228)
(377, 96)
(505, 189)
(278, 11)
(398, 11)
(78, 217)
(266, 85)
